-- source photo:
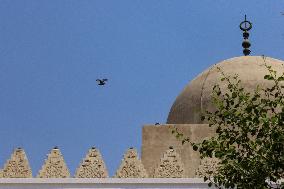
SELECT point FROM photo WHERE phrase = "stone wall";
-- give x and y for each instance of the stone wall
(163, 156)
(93, 166)
(90, 183)
(157, 139)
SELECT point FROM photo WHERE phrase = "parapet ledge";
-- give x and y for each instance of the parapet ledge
(174, 125)
(100, 180)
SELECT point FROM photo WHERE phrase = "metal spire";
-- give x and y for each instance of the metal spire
(245, 26)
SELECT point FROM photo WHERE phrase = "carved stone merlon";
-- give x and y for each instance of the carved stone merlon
(131, 166)
(92, 166)
(17, 166)
(54, 166)
(207, 167)
(170, 166)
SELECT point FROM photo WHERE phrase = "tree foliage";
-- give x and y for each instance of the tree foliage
(249, 140)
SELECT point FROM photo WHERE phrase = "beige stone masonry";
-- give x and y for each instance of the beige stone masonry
(17, 166)
(131, 166)
(106, 183)
(170, 166)
(207, 167)
(54, 166)
(92, 166)
(156, 140)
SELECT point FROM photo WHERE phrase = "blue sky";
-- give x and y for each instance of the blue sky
(51, 53)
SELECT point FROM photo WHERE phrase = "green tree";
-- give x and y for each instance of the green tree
(249, 140)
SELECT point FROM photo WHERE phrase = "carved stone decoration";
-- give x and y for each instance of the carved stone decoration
(1, 173)
(207, 167)
(54, 166)
(170, 166)
(131, 166)
(17, 166)
(92, 166)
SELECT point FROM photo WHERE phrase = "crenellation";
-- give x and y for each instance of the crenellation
(92, 166)
(207, 167)
(17, 166)
(131, 166)
(54, 166)
(170, 165)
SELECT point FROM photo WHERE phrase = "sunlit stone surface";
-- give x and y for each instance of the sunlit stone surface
(17, 166)
(91, 183)
(92, 166)
(54, 166)
(170, 166)
(131, 166)
(207, 167)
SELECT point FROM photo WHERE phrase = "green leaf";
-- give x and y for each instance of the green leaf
(205, 179)
(266, 76)
(195, 148)
(209, 184)
(280, 79)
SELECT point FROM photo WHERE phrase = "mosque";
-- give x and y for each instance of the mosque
(162, 155)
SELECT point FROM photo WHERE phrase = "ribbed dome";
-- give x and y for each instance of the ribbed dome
(196, 98)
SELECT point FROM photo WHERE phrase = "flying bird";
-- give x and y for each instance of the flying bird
(101, 81)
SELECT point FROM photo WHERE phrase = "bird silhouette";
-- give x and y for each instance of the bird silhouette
(101, 81)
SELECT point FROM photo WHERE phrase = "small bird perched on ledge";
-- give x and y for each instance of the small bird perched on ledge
(101, 81)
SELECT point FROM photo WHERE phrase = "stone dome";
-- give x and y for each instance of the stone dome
(196, 96)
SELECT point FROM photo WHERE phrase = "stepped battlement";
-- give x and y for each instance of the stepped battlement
(93, 166)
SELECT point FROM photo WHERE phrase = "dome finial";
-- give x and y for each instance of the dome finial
(245, 26)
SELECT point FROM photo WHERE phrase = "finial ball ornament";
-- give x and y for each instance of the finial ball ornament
(246, 44)
(245, 25)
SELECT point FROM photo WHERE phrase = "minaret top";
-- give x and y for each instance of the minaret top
(245, 26)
